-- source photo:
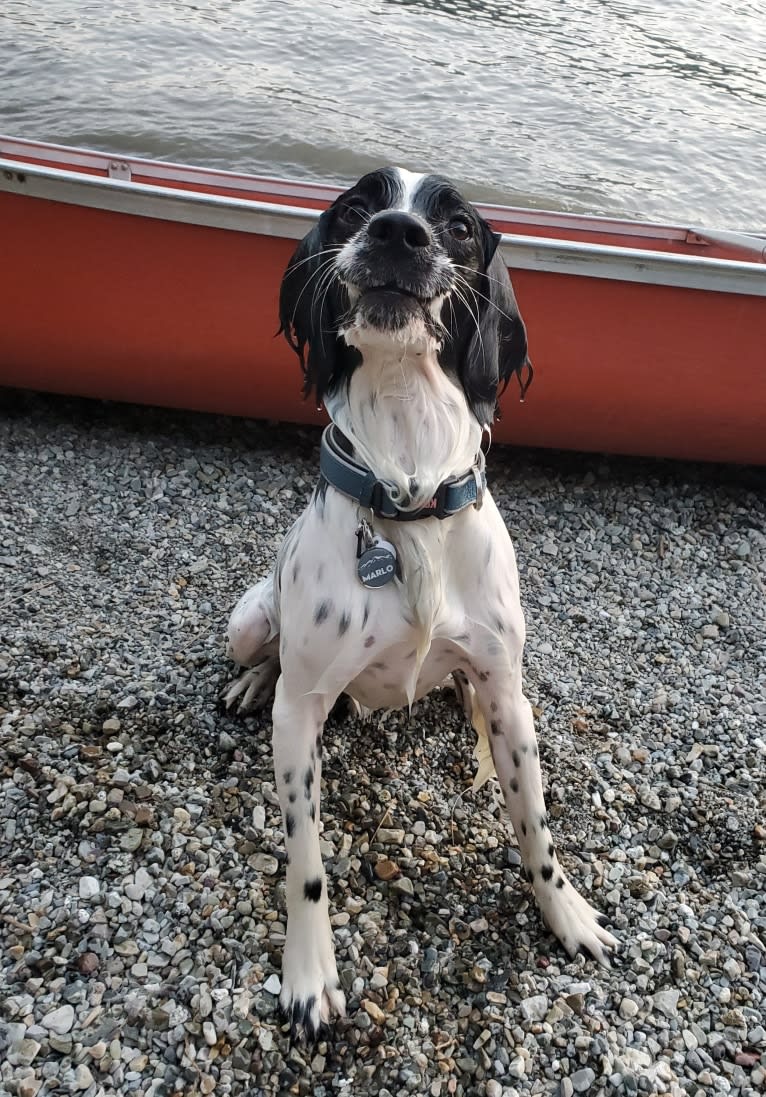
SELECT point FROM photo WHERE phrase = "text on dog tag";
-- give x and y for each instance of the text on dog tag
(377, 564)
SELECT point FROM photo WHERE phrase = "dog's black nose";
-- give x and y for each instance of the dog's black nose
(397, 227)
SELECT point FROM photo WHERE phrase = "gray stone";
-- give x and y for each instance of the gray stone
(89, 887)
(582, 1080)
(59, 1020)
(23, 1053)
(535, 1008)
(666, 1002)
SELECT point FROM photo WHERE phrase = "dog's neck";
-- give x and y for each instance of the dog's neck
(408, 422)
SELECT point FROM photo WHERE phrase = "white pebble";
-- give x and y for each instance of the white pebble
(89, 887)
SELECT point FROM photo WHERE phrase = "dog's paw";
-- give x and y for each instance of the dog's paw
(254, 688)
(573, 920)
(309, 999)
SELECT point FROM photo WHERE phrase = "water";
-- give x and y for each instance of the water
(649, 108)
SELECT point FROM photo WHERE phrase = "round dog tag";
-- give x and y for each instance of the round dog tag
(377, 565)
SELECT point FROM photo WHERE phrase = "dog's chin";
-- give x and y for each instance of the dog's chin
(384, 315)
(388, 309)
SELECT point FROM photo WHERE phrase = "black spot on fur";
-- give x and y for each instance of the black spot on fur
(547, 872)
(530, 876)
(543, 822)
(308, 779)
(287, 776)
(560, 882)
(322, 612)
(312, 812)
(496, 727)
(366, 614)
(550, 850)
(483, 675)
(516, 758)
(523, 827)
(320, 573)
(319, 745)
(292, 796)
(369, 641)
(312, 890)
(343, 623)
(535, 751)
(296, 572)
(514, 785)
(499, 625)
(290, 824)
(493, 706)
(525, 748)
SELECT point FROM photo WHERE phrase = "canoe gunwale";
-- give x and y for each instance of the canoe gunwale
(520, 251)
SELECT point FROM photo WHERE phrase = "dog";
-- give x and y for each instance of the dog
(400, 571)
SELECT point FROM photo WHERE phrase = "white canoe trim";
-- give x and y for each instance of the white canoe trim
(554, 255)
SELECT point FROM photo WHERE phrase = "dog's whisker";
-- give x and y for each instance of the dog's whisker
(314, 274)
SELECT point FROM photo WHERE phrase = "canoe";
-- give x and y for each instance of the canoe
(152, 282)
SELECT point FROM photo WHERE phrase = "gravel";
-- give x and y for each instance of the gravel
(141, 857)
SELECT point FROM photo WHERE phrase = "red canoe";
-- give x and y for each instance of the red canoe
(137, 280)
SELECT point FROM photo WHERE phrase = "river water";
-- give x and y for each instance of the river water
(648, 108)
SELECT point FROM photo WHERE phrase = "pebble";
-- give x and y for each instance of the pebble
(89, 887)
(535, 1008)
(83, 1078)
(23, 1053)
(666, 1002)
(273, 985)
(59, 1020)
(628, 1009)
(374, 1011)
(582, 1080)
(403, 885)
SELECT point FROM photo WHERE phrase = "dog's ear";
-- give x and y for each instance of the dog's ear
(311, 302)
(498, 347)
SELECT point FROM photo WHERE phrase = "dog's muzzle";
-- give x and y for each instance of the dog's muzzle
(397, 270)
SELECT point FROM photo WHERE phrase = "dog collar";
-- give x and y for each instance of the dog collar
(339, 468)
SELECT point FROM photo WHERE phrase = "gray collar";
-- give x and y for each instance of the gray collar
(339, 468)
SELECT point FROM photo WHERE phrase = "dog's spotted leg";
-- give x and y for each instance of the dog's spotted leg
(515, 753)
(253, 641)
(310, 986)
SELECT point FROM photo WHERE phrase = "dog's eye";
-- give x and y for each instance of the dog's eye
(460, 229)
(352, 213)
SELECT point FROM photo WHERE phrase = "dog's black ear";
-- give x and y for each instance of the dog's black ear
(498, 347)
(311, 302)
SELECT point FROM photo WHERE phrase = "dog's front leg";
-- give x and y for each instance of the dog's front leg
(310, 987)
(511, 735)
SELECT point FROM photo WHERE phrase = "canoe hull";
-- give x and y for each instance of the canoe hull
(106, 304)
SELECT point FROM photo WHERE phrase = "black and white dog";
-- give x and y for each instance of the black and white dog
(400, 571)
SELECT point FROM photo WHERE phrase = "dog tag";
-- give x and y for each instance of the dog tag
(377, 565)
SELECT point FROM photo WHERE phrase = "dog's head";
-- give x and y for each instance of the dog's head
(402, 258)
